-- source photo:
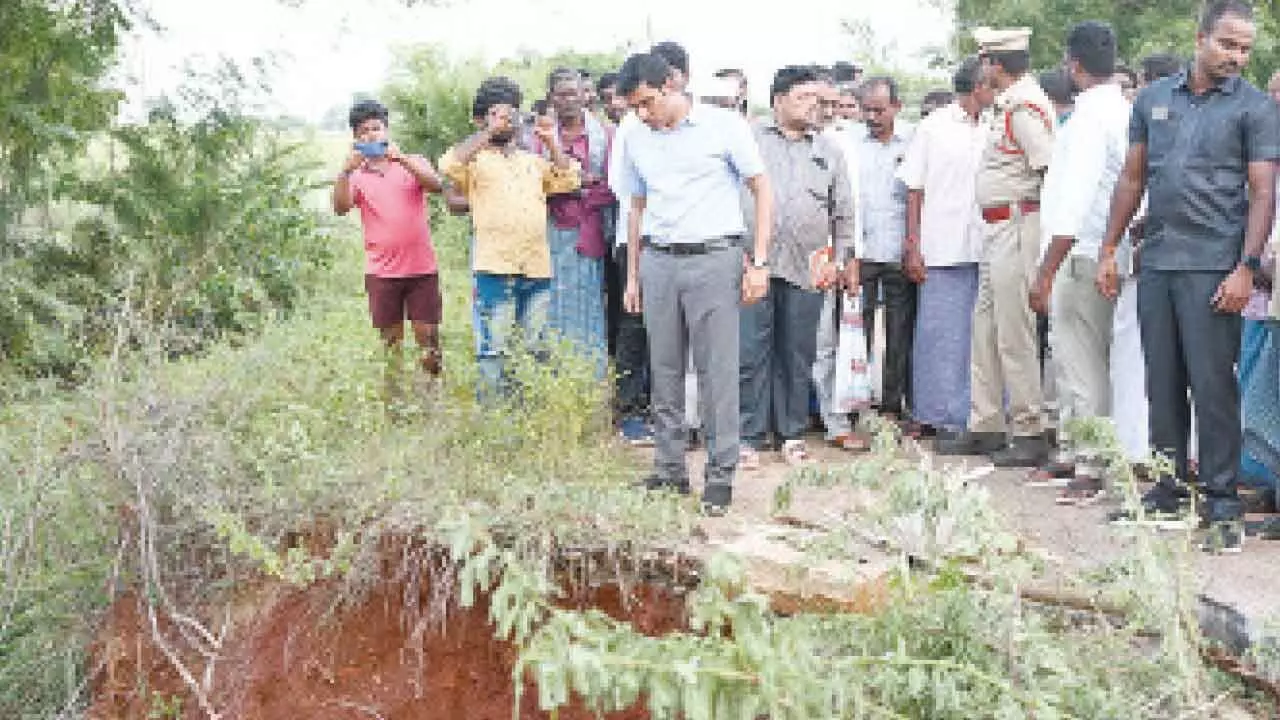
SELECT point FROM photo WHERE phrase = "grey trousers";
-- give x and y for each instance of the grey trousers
(1080, 334)
(1189, 344)
(691, 304)
(779, 343)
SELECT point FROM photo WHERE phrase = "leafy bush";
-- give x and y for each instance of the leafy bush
(431, 98)
(432, 95)
(52, 56)
(199, 225)
(179, 477)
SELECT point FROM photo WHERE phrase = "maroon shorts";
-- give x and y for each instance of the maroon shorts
(391, 300)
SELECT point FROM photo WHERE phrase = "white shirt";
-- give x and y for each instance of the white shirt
(1088, 155)
(629, 122)
(846, 140)
(943, 161)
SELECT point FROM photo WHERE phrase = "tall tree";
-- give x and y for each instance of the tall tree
(52, 58)
(432, 93)
(1142, 27)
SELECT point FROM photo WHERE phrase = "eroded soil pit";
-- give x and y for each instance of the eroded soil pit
(295, 654)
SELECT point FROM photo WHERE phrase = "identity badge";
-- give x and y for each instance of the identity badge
(1160, 112)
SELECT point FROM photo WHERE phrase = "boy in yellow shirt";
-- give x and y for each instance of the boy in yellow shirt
(507, 189)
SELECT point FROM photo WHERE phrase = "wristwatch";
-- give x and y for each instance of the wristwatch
(759, 263)
(1253, 262)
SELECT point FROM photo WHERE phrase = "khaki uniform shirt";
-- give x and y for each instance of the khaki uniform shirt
(1019, 145)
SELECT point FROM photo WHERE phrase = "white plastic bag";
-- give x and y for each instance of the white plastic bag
(853, 371)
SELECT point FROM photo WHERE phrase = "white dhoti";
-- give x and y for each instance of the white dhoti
(1129, 376)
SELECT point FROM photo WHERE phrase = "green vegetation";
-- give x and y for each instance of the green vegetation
(1142, 27)
(200, 473)
(180, 475)
(432, 95)
(193, 223)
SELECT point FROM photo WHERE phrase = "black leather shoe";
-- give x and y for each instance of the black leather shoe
(656, 484)
(1223, 538)
(1023, 452)
(945, 435)
(716, 498)
(1051, 437)
(1163, 506)
(1269, 529)
(967, 443)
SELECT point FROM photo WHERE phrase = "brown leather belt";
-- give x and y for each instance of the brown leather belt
(1000, 213)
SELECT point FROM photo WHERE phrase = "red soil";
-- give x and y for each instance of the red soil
(295, 657)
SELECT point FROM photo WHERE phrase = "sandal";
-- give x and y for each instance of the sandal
(748, 458)
(1082, 492)
(851, 442)
(1269, 529)
(795, 453)
(1054, 474)
(916, 430)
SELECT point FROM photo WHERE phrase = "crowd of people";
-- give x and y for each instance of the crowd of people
(1092, 236)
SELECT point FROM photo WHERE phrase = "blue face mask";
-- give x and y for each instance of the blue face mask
(372, 149)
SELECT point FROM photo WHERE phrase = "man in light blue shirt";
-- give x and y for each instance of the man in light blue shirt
(884, 233)
(632, 356)
(684, 173)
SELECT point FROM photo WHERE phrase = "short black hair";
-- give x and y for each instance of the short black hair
(674, 54)
(585, 73)
(497, 90)
(1014, 62)
(643, 69)
(844, 71)
(539, 107)
(366, 110)
(937, 98)
(608, 79)
(561, 74)
(1160, 65)
(1056, 85)
(1218, 9)
(822, 73)
(789, 77)
(881, 81)
(1093, 44)
(729, 72)
(968, 76)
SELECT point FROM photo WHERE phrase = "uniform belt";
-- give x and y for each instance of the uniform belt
(724, 242)
(1000, 213)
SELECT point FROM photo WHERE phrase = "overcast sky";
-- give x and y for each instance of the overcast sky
(327, 49)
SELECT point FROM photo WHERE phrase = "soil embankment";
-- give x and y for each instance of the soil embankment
(294, 654)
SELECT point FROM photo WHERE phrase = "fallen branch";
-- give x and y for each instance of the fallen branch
(1227, 663)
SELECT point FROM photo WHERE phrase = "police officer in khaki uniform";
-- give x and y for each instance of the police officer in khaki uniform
(1005, 350)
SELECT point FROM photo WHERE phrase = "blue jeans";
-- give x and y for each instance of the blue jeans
(506, 308)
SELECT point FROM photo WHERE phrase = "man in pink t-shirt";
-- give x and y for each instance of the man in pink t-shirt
(390, 190)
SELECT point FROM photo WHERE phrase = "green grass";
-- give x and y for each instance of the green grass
(182, 478)
(231, 452)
